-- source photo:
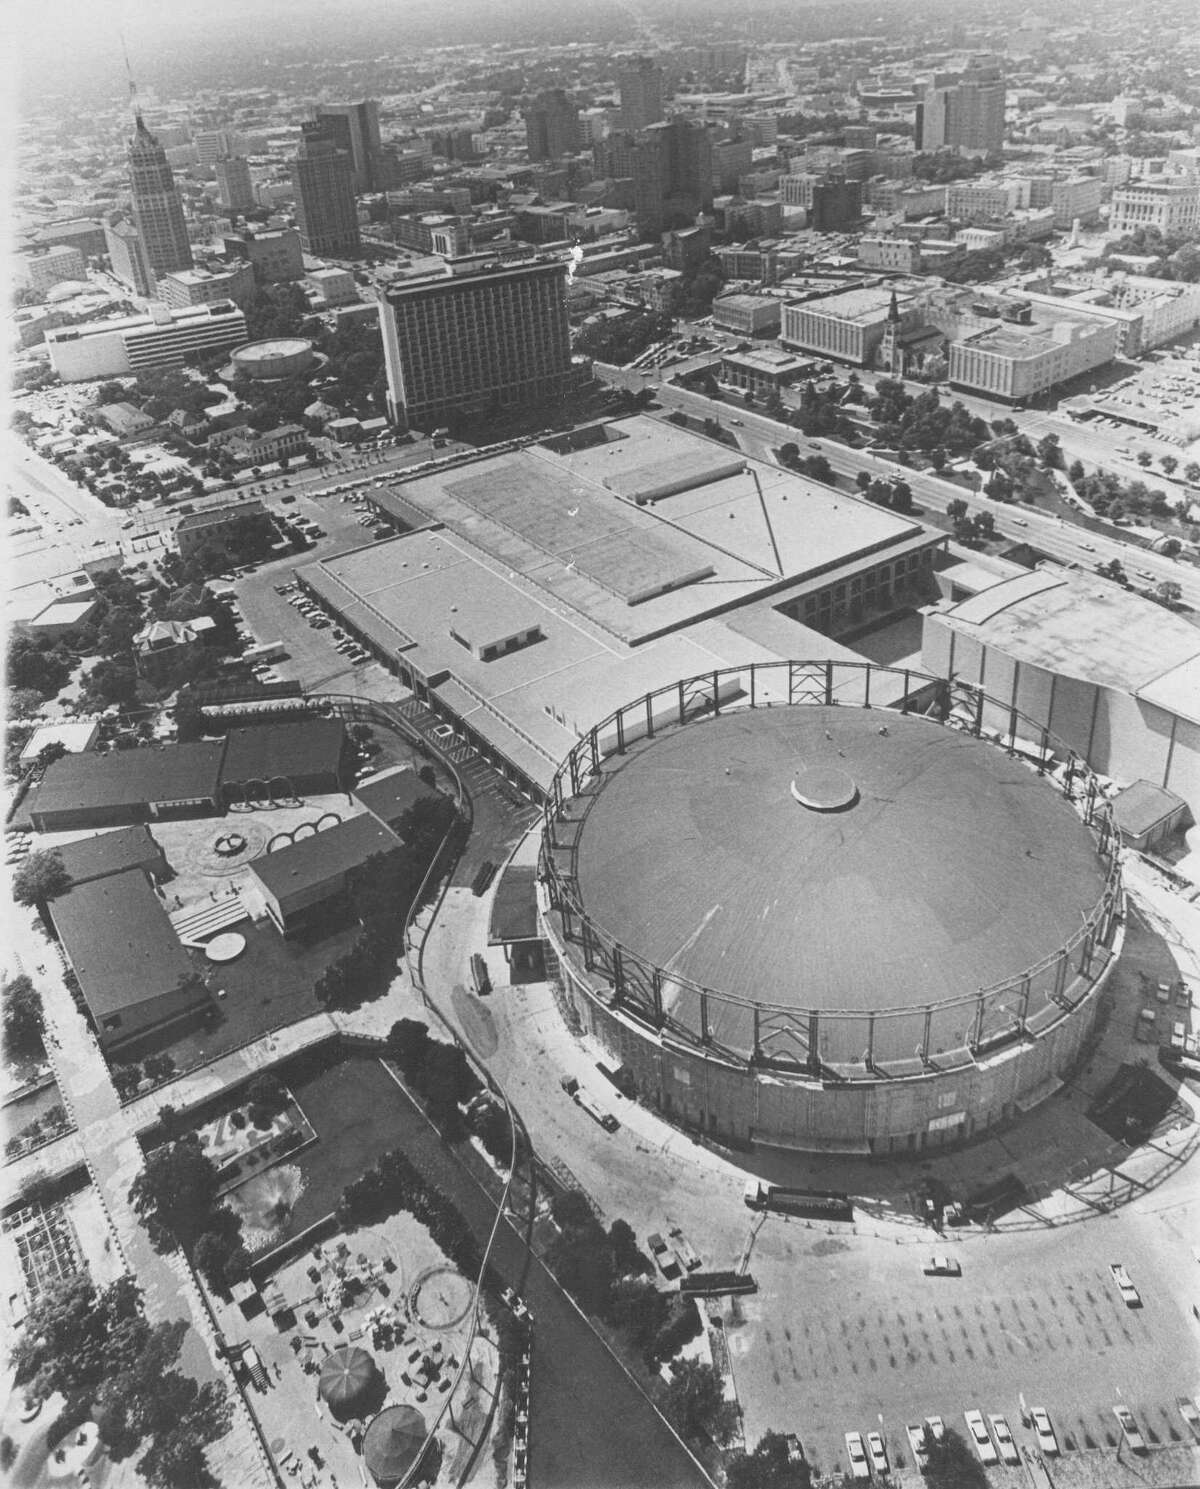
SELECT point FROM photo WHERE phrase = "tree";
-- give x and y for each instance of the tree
(1049, 450)
(789, 453)
(76, 1336)
(937, 458)
(1169, 464)
(770, 1466)
(956, 508)
(24, 1022)
(267, 1096)
(951, 1463)
(694, 1404)
(863, 480)
(902, 497)
(51, 752)
(819, 469)
(1168, 593)
(175, 1193)
(627, 1259)
(219, 1252)
(1144, 458)
(1076, 472)
(408, 1043)
(1191, 472)
(42, 877)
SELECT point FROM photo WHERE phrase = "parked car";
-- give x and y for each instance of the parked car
(916, 1444)
(980, 1437)
(879, 1458)
(1129, 1427)
(1047, 1441)
(664, 1257)
(1190, 1413)
(1129, 1294)
(857, 1455)
(1004, 1439)
(942, 1266)
(937, 1428)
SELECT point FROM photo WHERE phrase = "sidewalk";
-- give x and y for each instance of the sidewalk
(107, 1138)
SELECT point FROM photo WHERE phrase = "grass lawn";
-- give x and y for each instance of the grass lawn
(358, 1114)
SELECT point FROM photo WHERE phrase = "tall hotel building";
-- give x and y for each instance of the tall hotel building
(157, 208)
(964, 113)
(475, 339)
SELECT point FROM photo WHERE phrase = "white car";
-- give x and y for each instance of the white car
(859, 1468)
(1130, 1428)
(916, 1443)
(980, 1437)
(1004, 1439)
(1047, 1441)
(937, 1428)
(942, 1266)
(879, 1458)
(1190, 1414)
(1129, 1294)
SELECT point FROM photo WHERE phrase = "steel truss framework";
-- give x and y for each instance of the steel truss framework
(814, 1041)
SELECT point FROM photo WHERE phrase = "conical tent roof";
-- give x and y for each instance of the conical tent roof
(393, 1442)
(346, 1377)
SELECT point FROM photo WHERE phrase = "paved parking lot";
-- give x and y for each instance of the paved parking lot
(846, 1330)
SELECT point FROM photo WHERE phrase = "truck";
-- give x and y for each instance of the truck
(267, 651)
(716, 1284)
(596, 1112)
(813, 1204)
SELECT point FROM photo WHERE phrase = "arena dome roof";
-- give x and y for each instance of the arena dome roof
(833, 858)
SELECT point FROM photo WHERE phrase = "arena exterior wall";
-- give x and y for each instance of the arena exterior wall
(837, 1080)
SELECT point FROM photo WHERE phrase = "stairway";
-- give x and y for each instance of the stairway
(196, 926)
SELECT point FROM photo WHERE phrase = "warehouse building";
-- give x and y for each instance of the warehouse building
(1115, 676)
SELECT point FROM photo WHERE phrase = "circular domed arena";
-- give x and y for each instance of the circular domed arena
(798, 918)
(282, 356)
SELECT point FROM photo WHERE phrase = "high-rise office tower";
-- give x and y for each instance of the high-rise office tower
(476, 339)
(964, 113)
(157, 209)
(235, 190)
(672, 169)
(323, 177)
(354, 127)
(551, 126)
(641, 85)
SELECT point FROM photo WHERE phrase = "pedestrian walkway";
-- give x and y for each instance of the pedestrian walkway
(114, 1159)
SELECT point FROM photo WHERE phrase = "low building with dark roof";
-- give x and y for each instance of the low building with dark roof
(309, 757)
(1146, 815)
(311, 871)
(389, 797)
(132, 970)
(113, 853)
(91, 790)
(514, 919)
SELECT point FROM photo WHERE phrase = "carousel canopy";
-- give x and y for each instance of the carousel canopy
(393, 1442)
(346, 1377)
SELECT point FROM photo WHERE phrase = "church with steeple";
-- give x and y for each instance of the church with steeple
(891, 354)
